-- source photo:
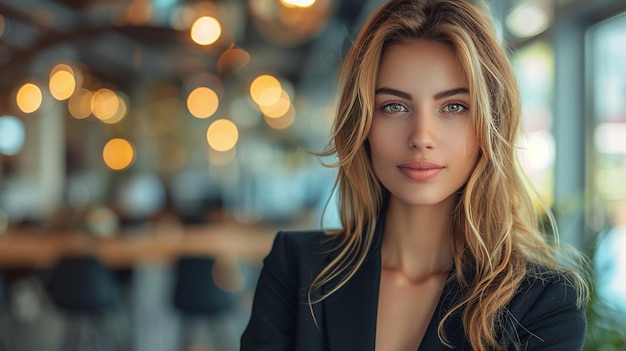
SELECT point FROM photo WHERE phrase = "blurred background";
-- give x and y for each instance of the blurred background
(150, 150)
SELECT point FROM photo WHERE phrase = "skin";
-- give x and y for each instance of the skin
(423, 150)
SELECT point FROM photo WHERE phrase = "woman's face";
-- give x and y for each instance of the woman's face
(423, 147)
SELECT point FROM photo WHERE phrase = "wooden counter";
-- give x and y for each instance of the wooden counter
(41, 248)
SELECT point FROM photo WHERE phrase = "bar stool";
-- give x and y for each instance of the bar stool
(202, 304)
(86, 293)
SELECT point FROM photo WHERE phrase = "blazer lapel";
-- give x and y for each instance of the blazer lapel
(350, 313)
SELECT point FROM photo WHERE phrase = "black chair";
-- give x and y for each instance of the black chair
(203, 305)
(87, 294)
(7, 330)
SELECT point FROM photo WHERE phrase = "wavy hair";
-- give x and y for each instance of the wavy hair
(497, 236)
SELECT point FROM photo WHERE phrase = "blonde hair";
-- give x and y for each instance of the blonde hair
(498, 239)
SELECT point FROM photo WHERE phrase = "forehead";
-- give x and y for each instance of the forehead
(418, 61)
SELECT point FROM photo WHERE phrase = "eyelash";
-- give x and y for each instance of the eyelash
(455, 103)
(463, 106)
(386, 107)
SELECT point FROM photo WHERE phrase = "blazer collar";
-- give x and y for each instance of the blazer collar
(350, 313)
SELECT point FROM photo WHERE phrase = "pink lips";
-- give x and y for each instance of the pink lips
(420, 170)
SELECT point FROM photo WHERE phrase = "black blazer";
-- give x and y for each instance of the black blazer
(543, 314)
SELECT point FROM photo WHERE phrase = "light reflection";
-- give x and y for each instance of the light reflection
(118, 154)
(222, 135)
(206, 30)
(29, 98)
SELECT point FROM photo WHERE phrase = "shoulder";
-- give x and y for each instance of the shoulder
(545, 286)
(304, 242)
(300, 249)
(548, 310)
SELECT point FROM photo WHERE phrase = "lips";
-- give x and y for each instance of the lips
(420, 170)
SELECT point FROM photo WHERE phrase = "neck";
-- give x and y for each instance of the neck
(417, 239)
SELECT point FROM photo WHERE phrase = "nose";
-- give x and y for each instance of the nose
(422, 131)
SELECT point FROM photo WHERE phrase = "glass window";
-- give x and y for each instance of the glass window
(607, 161)
(534, 69)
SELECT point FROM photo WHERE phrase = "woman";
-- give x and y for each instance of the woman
(440, 246)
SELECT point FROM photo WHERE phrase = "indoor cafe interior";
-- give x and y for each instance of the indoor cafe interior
(150, 150)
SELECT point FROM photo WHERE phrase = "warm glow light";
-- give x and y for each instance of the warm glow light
(206, 30)
(265, 90)
(279, 108)
(104, 104)
(284, 121)
(120, 113)
(79, 104)
(29, 98)
(118, 154)
(222, 135)
(297, 3)
(202, 102)
(62, 82)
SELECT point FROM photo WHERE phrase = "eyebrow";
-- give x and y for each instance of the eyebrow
(407, 96)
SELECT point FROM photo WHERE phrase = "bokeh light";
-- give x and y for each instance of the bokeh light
(279, 108)
(120, 112)
(118, 154)
(79, 104)
(282, 122)
(265, 90)
(202, 102)
(297, 3)
(104, 104)
(12, 135)
(222, 135)
(29, 98)
(62, 82)
(206, 30)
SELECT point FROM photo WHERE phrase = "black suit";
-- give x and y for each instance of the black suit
(544, 313)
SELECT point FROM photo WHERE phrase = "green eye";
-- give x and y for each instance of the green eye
(454, 108)
(394, 107)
